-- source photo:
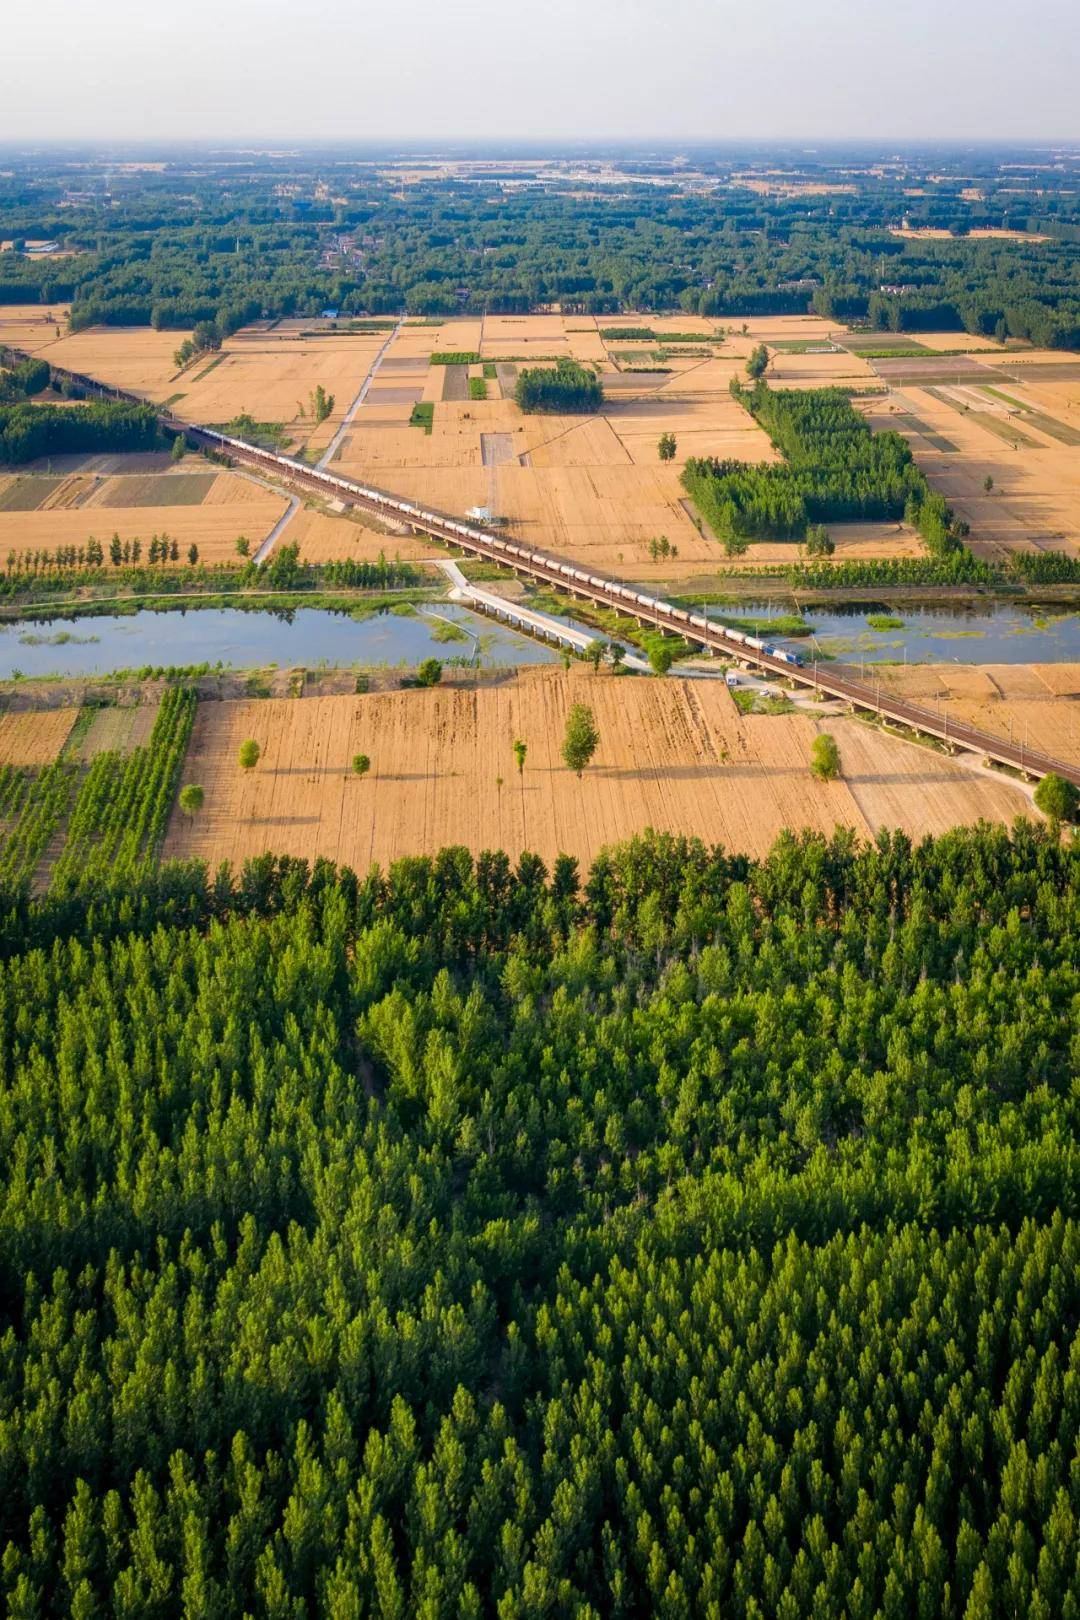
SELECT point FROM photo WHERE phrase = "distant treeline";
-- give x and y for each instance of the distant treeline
(255, 246)
(28, 431)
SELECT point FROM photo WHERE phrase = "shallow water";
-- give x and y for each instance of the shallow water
(998, 633)
(241, 640)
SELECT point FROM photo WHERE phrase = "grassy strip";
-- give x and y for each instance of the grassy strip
(456, 357)
(423, 415)
(477, 388)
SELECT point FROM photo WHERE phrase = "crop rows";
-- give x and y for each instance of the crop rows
(32, 805)
(119, 816)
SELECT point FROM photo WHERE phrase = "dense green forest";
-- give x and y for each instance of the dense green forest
(835, 469)
(224, 240)
(28, 431)
(565, 387)
(692, 1235)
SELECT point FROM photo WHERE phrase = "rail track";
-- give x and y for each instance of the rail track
(609, 593)
(653, 611)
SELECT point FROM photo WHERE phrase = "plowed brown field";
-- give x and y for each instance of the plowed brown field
(34, 738)
(674, 755)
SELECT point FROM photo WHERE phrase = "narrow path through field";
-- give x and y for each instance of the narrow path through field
(346, 421)
(328, 454)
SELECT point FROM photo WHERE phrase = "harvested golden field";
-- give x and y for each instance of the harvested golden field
(1011, 432)
(132, 357)
(589, 487)
(900, 784)
(32, 326)
(213, 526)
(675, 755)
(1034, 704)
(34, 737)
(835, 370)
(271, 375)
(329, 537)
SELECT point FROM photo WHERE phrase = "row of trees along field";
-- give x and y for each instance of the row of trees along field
(199, 245)
(690, 1235)
(834, 469)
(28, 431)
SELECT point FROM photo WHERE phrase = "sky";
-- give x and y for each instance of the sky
(266, 71)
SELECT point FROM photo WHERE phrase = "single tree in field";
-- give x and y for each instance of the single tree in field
(249, 754)
(243, 546)
(520, 750)
(178, 448)
(988, 482)
(191, 799)
(581, 738)
(818, 541)
(616, 652)
(757, 362)
(429, 673)
(666, 447)
(1057, 798)
(361, 764)
(566, 658)
(321, 403)
(193, 554)
(594, 653)
(661, 656)
(825, 757)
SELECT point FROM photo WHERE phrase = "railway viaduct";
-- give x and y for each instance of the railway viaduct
(832, 680)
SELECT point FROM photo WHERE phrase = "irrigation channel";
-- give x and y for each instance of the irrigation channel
(652, 611)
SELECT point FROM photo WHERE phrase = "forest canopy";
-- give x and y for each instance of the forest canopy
(689, 1234)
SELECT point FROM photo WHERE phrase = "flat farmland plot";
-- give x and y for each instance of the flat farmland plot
(213, 527)
(674, 755)
(33, 737)
(1036, 704)
(271, 377)
(1035, 495)
(896, 783)
(132, 357)
(327, 537)
(31, 326)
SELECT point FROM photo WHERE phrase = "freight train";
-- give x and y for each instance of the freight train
(492, 544)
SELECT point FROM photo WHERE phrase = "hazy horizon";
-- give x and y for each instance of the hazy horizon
(975, 72)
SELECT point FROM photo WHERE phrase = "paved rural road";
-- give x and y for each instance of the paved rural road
(328, 454)
(324, 460)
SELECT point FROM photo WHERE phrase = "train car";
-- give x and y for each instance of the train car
(736, 635)
(755, 642)
(702, 623)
